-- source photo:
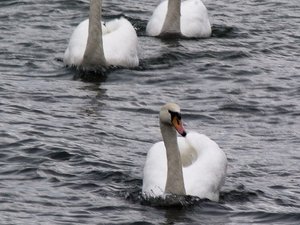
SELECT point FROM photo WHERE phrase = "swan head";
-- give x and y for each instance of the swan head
(170, 115)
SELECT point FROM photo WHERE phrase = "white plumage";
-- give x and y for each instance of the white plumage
(204, 167)
(194, 21)
(119, 43)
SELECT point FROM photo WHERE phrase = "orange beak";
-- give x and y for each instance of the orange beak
(178, 126)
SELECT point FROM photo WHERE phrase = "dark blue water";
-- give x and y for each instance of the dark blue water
(72, 152)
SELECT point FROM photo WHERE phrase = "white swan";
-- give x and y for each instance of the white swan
(189, 165)
(189, 19)
(93, 44)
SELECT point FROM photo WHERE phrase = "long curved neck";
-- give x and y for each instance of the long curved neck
(172, 21)
(175, 183)
(94, 55)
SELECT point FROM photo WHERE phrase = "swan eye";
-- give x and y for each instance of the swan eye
(177, 123)
(175, 114)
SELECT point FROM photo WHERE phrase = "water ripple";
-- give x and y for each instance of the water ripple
(73, 143)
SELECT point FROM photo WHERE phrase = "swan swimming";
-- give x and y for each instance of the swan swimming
(189, 165)
(94, 44)
(188, 19)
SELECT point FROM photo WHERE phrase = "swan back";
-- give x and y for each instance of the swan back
(120, 43)
(206, 175)
(155, 23)
(74, 53)
(155, 171)
(194, 21)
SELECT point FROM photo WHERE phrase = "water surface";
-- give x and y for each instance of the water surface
(72, 152)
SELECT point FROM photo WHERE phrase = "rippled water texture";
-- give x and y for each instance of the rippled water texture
(72, 152)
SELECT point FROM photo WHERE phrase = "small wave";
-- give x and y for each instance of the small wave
(240, 195)
(238, 107)
(265, 217)
(223, 31)
(60, 155)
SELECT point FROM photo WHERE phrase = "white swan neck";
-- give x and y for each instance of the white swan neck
(94, 55)
(175, 182)
(172, 21)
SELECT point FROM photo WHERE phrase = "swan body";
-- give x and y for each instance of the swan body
(194, 21)
(119, 43)
(203, 166)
